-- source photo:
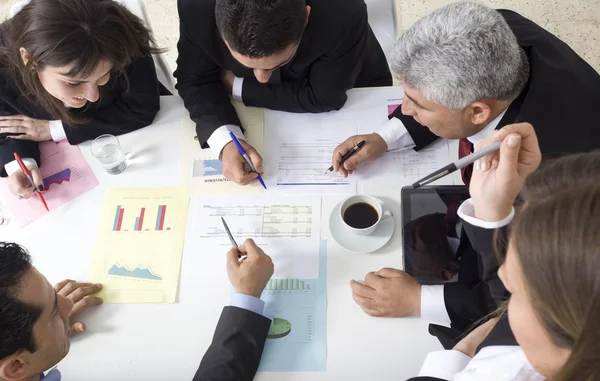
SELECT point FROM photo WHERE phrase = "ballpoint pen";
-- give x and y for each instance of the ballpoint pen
(461, 163)
(348, 155)
(30, 178)
(246, 157)
(233, 243)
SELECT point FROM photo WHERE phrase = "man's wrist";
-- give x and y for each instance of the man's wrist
(380, 139)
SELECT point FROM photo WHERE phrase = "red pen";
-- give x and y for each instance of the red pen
(28, 174)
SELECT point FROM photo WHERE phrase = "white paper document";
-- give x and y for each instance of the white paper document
(298, 151)
(286, 228)
(404, 167)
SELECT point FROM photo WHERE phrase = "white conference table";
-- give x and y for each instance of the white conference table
(167, 341)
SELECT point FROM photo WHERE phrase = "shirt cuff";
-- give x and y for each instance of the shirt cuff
(433, 306)
(14, 166)
(466, 211)
(395, 135)
(237, 88)
(444, 364)
(57, 130)
(248, 302)
(220, 137)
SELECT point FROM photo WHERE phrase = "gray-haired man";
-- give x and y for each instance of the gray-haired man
(467, 70)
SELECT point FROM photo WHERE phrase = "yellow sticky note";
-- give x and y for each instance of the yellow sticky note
(137, 256)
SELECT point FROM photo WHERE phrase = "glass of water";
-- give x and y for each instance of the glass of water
(107, 149)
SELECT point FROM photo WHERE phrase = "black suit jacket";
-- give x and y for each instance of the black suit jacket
(237, 346)
(560, 99)
(338, 51)
(501, 334)
(124, 105)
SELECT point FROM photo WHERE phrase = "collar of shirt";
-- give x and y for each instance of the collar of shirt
(52, 375)
(499, 363)
(487, 129)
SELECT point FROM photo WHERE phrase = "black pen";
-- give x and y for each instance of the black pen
(348, 155)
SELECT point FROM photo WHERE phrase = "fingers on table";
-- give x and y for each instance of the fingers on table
(85, 303)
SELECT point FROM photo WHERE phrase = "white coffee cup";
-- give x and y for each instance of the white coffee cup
(377, 204)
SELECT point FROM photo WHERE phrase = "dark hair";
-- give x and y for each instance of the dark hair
(557, 239)
(260, 28)
(63, 32)
(16, 318)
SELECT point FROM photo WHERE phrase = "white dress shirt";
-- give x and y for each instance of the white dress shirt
(494, 363)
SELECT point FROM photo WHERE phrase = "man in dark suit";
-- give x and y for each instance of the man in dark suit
(468, 70)
(290, 55)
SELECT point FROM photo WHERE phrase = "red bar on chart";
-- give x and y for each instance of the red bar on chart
(120, 220)
(162, 217)
(141, 221)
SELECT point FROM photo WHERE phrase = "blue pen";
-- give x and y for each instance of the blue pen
(246, 157)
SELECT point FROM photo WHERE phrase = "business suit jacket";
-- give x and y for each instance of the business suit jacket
(338, 51)
(124, 106)
(237, 346)
(560, 99)
(501, 334)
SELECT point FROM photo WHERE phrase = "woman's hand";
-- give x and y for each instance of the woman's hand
(20, 186)
(29, 128)
(498, 178)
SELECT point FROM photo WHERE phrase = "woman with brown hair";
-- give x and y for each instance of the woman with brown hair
(548, 329)
(71, 69)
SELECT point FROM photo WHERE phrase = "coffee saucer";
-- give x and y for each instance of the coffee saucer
(355, 243)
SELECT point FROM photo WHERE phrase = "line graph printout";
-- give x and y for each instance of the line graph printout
(286, 227)
(66, 175)
(139, 244)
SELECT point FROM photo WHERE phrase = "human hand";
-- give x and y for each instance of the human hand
(250, 274)
(469, 344)
(233, 163)
(29, 128)
(498, 178)
(388, 292)
(374, 147)
(20, 186)
(79, 293)
(227, 78)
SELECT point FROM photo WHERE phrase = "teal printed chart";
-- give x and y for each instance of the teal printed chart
(138, 272)
(204, 168)
(297, 339)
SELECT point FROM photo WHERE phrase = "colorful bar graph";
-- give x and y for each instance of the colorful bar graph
(139, 221)
(160, 218)
(118, 218)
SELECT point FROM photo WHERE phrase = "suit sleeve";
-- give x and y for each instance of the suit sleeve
(237, 347)
(25, 148)
(135, 105)
(330, 77)
(199, 81)
(420, 134)
(466, 305)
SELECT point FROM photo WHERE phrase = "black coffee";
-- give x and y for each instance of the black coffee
(361, 215)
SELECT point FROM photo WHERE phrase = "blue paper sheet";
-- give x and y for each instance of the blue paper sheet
(298, 335)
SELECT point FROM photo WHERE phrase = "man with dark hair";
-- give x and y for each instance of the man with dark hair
(290, 55)
(35, 317)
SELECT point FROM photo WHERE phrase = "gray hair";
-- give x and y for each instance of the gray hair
(459, 54)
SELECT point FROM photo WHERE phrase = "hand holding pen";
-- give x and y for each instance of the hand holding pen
(235, 155)
(373, 147)
(26, 182)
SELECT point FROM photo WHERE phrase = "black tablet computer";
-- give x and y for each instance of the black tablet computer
(431, 232)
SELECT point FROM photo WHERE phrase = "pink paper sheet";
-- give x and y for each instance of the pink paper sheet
(66, 175)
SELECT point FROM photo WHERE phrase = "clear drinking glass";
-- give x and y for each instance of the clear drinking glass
(107, 149)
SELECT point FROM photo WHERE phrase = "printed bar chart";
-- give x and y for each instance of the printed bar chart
(139, 221)
(160, 217)
(118, 218)
(289, 286)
